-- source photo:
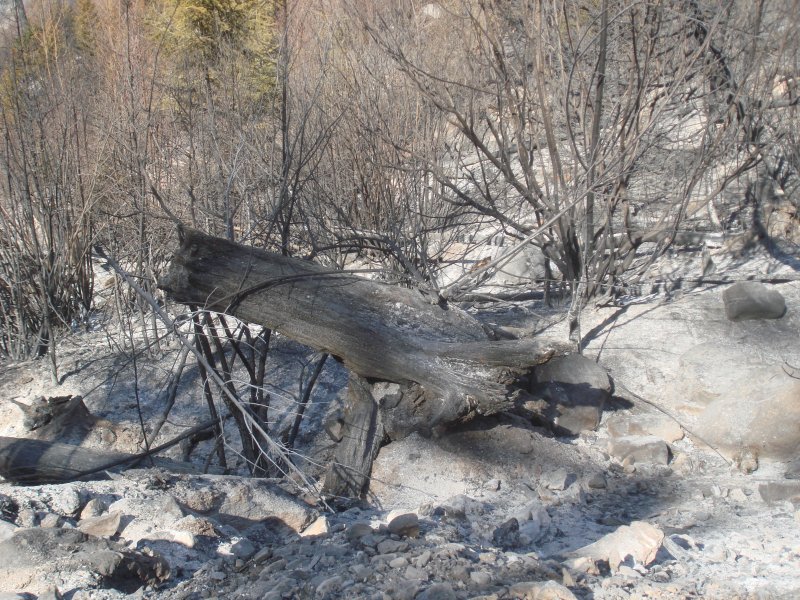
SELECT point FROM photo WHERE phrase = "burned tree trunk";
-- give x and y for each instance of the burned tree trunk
(447, 368)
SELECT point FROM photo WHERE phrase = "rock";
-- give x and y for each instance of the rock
(753, 300)
(405, 524)
(102, 526)
(319, 527)
(574, 389)
(737, 495)
(596, 482)
(50, 594)
(243, 549)
(415, 574)
(49, 520)
(639, 449)
(557, 480)
(746, 460)
(400, 562)
(778, 491)
(639, 540)
(6, 530)
(254, 501)
(437, 591)
(391, 546)
(94, 508)
(506, 535)
(461, 507)
(481, 578)
(358, 530)
(31, 553)
(67, 502)
(658, 425)
(793, 469)
(329, 586)
(492, 485)
(423, 559)
(540, 590)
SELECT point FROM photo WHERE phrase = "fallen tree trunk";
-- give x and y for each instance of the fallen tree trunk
(447, 368)
(34, 462)
(379, 331)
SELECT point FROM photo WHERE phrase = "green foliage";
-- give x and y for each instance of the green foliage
(213, 36)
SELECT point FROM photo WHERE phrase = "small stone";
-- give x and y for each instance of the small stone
(415, 574)
(438, 591)
(218, 575)
(67, 502)
(329, 586)
(557, 480)
(746, 461)
(753, 300)
(243, 549)
(640, 540)
(737, 495)
(596, 482)
(6, 530)
(793, 469)
(640, 449)
(423, 559)
(319, 527)
(404, 524)
(540, 590)
(390, 546)
(506, 535)
(50, 520)
(398, 563)
(492, 485)
(51, 593)
(273, 567)
(358, 530)
(778, 491)
(94, 508)
(102, 526)
(480, 577)
(460, 573)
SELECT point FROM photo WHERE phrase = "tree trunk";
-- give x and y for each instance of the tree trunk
(379, 331)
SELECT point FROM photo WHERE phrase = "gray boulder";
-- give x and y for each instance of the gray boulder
(753, 300)
(572, 390)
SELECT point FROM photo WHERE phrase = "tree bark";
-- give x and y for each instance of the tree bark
(448, 368)
(381, 332)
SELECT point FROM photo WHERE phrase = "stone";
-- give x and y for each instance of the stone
(103, 526)
(792, 469)
(7, 530)
(423, 559)
(400, 562)
(540, 590)
(30, 553)
(640, 540)
(437, 591)
(779, 491)
(481, 578)
(737, 495)
(255, 501)
(243, 549)
(405, 524)
(746, 300)
(391, 546)
(67, 502)
(358, 530)
(492, 485)
(49, 520)
(658, 425)
(415, 574)
(506, 535)
(94, 508)
(51, 593)
(558, 480)
(330, 585)
(639, 449)
(574, 389)
(596, 482)
(319, 527)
